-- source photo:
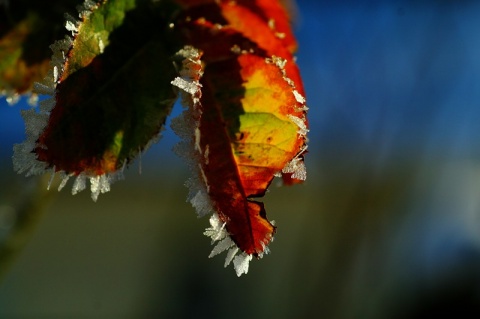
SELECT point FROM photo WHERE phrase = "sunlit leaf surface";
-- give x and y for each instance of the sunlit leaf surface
(113, 82)
(249, 120)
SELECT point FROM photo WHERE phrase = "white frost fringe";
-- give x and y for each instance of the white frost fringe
(217, 232)
(296, 166)
(24, 160)
(187, 128)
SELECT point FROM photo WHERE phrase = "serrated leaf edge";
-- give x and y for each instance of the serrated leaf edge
(25, 161)
(186, 127)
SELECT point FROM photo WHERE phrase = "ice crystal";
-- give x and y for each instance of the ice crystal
(303, 130)
(99, 184)
(296, 166)
(241, 262)
(300, 99)
(220, 236)
(222, 245)
(80, 184)
(64, 181)
(189, 87)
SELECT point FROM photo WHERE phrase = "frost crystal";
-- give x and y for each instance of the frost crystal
(300, 99)
(216, 231)
(297, 167)
(223, 245)
(189, 87)
(230, 255)
(220, 236)
(240, 263)
(99, 184)
(64, 181)
(300, 123)
(71, 26)
(80, 184)
(50, 181)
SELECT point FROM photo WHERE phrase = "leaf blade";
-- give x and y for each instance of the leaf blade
(113, 93)
(247, 115)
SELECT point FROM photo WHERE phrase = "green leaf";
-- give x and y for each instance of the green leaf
(112, 97)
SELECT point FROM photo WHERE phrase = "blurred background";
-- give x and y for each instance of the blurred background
(387, 224)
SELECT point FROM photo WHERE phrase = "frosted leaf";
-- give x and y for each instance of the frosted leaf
(187, 127)
(230, 255)
(80, 184)
(241, 262)
(221, 246)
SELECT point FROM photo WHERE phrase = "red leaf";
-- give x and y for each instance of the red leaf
(249, 121)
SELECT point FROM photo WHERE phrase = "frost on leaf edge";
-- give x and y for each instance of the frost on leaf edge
(186, 127)
(25, 161)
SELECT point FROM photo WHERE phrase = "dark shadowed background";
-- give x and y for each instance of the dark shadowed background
(386, 226)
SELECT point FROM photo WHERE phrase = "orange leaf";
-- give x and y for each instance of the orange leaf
(248, 118)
